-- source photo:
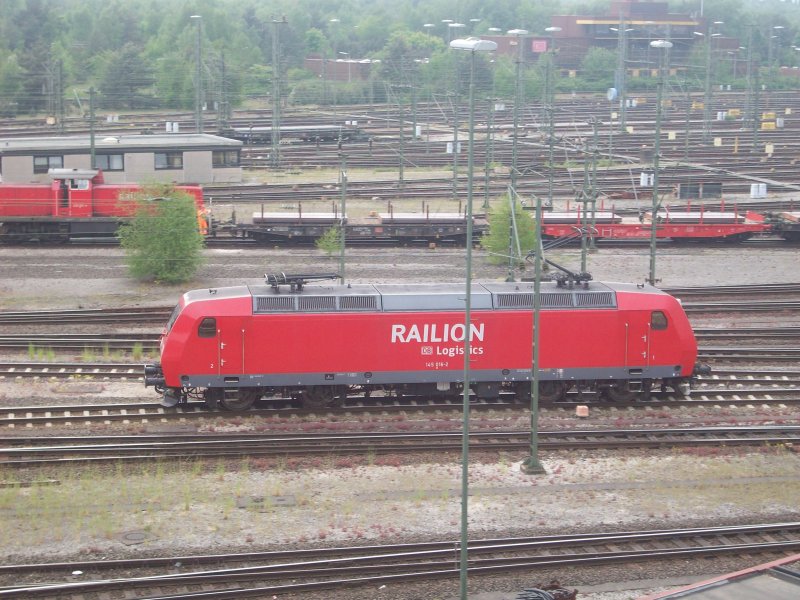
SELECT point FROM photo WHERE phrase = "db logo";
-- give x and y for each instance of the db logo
(427, 351)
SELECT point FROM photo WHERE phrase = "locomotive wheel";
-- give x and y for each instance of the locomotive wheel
(320, 396)
(244, 400)
(552, 391)
(620, 392)
(549, 391)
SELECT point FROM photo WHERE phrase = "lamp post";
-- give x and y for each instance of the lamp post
(451, 27)
(770, 45)
(519, 35)
(549, 83)
(447, 23)
(664, 46)
(550, 109)
(473, 46)
(707, 90)
(343, 218)
(334, 22)
(275, 156)
(622, 73)
(198, 84)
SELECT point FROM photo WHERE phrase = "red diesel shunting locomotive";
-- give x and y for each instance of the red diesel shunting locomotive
(78, 203)
(232, 346)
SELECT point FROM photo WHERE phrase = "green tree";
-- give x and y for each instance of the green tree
(599, 65)
(499, 238)
(10, 83)
(162, 241)
(330, 241)
(126, 81)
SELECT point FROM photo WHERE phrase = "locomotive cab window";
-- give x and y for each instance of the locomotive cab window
(207, 328)
(658, 320)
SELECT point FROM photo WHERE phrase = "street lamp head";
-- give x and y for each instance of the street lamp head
(552, 29)
(665, 44)
(456, 25)
(448, 21)
(196, 18)
(429, 25)
(334, 20)
(495, 29)
(473, 44)
(699, 33)
(517, 32)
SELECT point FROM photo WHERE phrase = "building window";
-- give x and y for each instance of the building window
(41, 164)
(169, 160)
(224, 158)
(110, 162)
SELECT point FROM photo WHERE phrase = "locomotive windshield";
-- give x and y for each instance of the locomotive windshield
(658, 320)
(173, 316)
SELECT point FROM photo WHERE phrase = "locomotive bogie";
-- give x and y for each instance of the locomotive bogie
(320, 345)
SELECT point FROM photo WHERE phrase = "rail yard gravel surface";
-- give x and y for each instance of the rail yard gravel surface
(385, 499)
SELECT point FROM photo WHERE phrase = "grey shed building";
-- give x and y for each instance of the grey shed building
(142, 158)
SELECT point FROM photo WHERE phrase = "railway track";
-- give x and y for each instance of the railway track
(87, 315)
(117, 449)
(731, 389)
(261, 574)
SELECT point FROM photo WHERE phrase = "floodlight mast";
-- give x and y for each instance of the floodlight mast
(664, 46)
(473, 45)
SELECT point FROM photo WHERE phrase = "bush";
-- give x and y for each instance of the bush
(330, 241)
(162, 242)
(498, 239)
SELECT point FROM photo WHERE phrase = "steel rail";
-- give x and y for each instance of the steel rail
(319, 569)
(340, 444)
(766, 394)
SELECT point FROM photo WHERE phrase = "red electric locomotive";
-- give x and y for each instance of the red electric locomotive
(232, 346)
(78, 203)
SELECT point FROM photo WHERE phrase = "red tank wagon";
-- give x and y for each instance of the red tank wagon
(78, 203)
(321, 343)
